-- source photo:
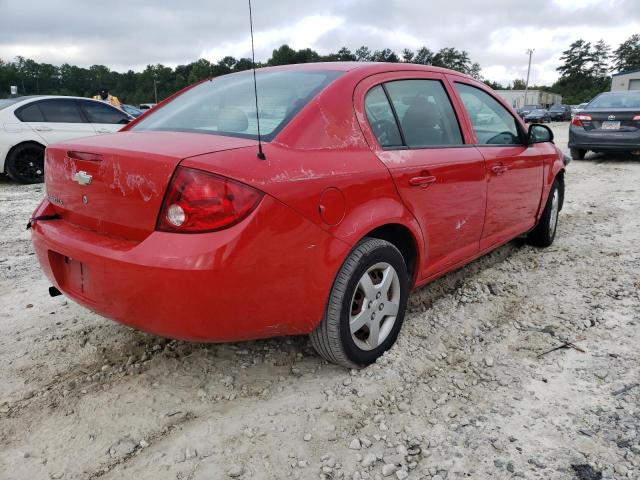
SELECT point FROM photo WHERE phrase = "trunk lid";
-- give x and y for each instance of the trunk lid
(115, 184)
(623, 115)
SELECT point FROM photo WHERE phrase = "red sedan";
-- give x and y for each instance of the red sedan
(375, 179)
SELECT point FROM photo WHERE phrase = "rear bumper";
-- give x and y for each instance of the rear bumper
(257, 279)
(606, 141)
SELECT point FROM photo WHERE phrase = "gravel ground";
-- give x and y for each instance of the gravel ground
(465, 393)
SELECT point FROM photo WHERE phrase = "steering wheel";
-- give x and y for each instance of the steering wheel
(384, 130)
(512, 139)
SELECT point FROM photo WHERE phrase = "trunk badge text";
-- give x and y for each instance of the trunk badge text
(83, 178)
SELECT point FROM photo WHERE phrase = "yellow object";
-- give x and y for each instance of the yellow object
(111, 100)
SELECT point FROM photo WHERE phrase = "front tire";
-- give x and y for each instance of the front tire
(366, 306)
(577, 153)
(25, 163)
(545, 231)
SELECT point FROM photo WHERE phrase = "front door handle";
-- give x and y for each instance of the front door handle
(423, 182)
(499, 169)
(102, 130)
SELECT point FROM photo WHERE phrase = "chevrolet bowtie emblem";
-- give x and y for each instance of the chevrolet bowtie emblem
(83, 178)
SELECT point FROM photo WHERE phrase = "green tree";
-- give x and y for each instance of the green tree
(452, 58)
(519, 84)
(577, 60)
(424, 56)
(407, 55)
(385, 55)
(363, 54)
(600, 59)
(583, 73)
(627, 55)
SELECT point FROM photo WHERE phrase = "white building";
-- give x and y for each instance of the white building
(515, 98)
(625, 81)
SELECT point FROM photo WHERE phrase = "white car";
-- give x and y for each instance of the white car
(29, 124)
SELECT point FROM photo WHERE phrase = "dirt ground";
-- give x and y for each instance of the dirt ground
(463, 394)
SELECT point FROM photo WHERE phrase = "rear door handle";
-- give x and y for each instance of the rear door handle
(44, 129)
(423, 182)
(499, 169)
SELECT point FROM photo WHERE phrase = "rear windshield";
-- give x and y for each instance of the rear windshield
(538, 111)
(616, 100)
(226, 105)
(557, 108)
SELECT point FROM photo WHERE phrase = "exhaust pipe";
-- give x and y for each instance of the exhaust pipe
(54, 292)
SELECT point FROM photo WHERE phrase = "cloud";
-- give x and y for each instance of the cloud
(124, 34)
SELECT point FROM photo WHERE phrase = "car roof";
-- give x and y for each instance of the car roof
(364, 68)
(21, 101)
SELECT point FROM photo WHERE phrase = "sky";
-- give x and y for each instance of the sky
(131, 34)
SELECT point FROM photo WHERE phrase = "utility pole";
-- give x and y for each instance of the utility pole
(155, 89)
(526, 86)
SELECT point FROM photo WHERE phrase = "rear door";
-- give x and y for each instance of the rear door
(103, 118)
(56, 120)
(439, 177)
(515, 170)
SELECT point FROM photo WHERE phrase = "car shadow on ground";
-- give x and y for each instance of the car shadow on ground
(611, 157)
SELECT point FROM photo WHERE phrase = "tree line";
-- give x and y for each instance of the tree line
(583, 74)
(33, 78)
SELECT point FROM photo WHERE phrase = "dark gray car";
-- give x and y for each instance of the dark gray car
(560, 112)
(609, 123)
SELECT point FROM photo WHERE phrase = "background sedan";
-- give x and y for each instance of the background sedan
(32, 123)
(609, 123)
(539, 115)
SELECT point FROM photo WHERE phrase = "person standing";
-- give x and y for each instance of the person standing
(104, 96)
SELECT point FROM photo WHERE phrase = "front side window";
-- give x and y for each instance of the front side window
(98, 112)
(226, 105)
(492, 122)
(381, 119)
(425, 113)
(60, 111)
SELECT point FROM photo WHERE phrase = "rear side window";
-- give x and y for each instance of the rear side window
(60, 111)
(492, 123)
(425, 113)
(30, 113)
(102, 113)
(226, 105)
(381, 119)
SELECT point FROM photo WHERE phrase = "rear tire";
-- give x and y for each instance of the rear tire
(25, 163)
(545, 231)
(578, 153)
(366, 306)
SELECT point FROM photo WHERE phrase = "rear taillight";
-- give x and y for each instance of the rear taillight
(636, 118)
(199, 201)
(581, 117)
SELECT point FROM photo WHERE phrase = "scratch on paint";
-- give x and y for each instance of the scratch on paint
(460, 224)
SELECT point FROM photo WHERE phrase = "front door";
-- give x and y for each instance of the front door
(440, 179)
(515, 171)
(104, 118)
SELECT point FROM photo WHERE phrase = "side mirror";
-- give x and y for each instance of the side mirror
(539, 134)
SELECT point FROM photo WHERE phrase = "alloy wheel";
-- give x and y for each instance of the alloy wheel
(29, 165)
(374, 306)
(553, 215)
